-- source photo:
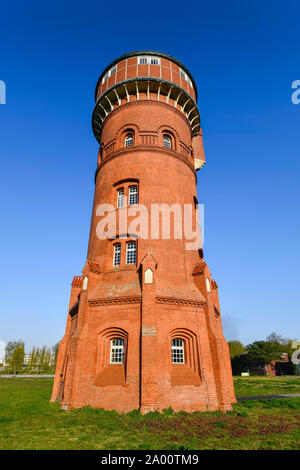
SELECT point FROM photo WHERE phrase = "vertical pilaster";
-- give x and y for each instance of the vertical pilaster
(149, 379)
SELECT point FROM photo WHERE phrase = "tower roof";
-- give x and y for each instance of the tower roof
(138, 53)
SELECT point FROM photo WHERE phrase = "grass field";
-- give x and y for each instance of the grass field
(29, 421)
(251, 386)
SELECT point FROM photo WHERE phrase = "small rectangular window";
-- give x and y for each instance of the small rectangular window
(120, 201)
(105, 77)
(154, 61)
(133, 195)
(117, 351)
(167, 141)
(129, 140)
(117, 254)
(131, 253)
(177, 351)
(143, 60)
(113, 71)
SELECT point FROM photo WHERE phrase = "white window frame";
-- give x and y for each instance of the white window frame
(131, 253)
(177, 347)
(117, 254)
(120, 199)
(167, 138)
(133, 195)
(147, 60)
(117, 351)
(129, 140)
(108, 74)
(186, 77)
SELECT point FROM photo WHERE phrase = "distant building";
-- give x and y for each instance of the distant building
(281, 366)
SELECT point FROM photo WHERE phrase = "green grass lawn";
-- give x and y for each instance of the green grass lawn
(251, 386)
(29, 421)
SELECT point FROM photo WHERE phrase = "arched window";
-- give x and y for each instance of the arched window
(129, 140)
(177, 351)
(117, 351)
(167, 141)
(117, 254)
(130, 253)
(120, 201)
(133, 195)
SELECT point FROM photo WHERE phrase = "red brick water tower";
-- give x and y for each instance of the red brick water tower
(144, 328)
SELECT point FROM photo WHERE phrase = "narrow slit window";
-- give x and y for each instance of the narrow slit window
(120, 201)
(133, 195)
(167, 141)
(131, 253)
(129, 140)
(117, 254)
(117, 351)
(177, 351)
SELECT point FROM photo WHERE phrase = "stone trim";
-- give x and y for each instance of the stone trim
(177, 301)
(114, 301)
(145, 148)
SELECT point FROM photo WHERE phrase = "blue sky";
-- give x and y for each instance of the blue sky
(244, 57)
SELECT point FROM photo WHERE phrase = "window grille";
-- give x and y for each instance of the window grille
(167, 141)
(120, 202)
(117, 351)
(129, 140)
(177, 351)
(133, 195)
(131, 253)
(117, 254)
(149, 60)
(186, 77)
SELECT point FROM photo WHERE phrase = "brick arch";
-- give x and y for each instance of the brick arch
(191, 347)
(104, 339)
(165, 129)
(123, 130)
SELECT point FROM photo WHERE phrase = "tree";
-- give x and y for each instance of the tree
(236, 348)
(283, 344)
(275, 338)
(55, 352)
(33, 362)
(261, 353)
(42, 358)
(14, 356)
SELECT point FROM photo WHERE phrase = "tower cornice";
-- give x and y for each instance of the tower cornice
(183, 103)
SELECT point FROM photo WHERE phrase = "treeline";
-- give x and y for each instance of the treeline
(255, 357)
(37, 361)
